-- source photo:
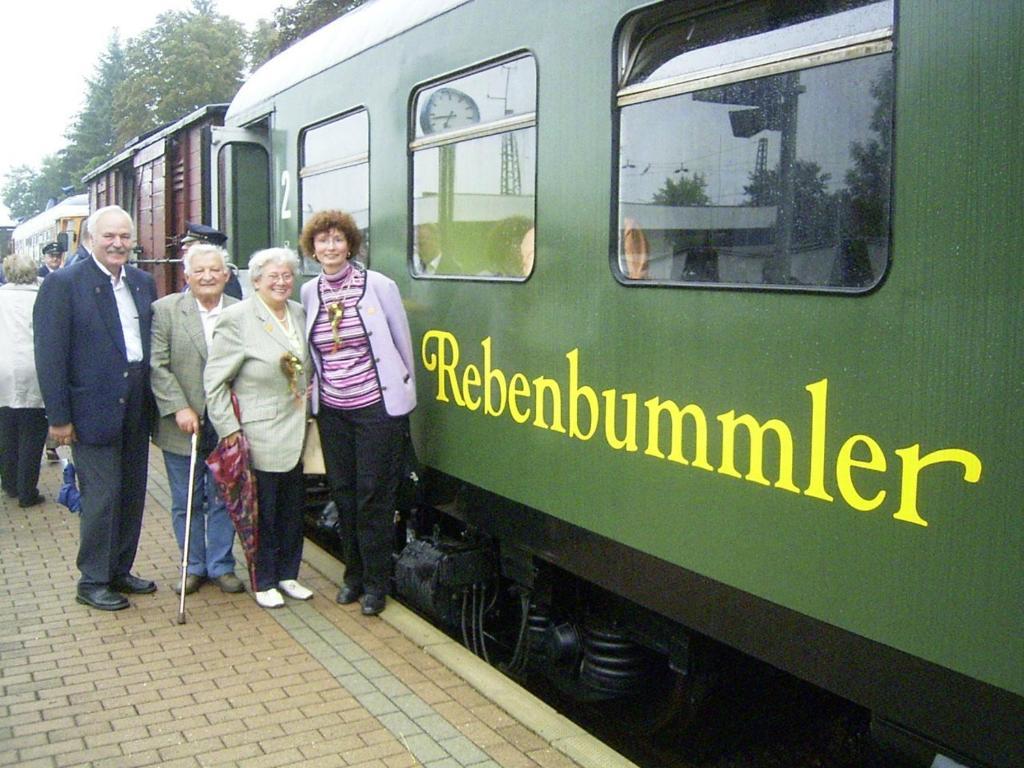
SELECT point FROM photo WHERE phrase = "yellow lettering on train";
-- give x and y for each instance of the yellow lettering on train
(914, 462)
(542, 385)
(471, 380)
(518, 387)
(756, 433)
(656, 407)
(844, 476)
(492, 376)
(443, 360)
(538, 402)
(575, 393)
(611, 435)
(819, 406)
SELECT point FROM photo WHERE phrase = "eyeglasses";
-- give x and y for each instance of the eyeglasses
(283, 277)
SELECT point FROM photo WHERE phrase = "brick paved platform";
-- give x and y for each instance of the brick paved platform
(312, 684)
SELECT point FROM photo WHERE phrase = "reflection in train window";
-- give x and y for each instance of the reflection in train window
(473, 164)
(755, 145)
(335, 173)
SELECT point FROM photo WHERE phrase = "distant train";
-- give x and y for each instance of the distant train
(720, 325)
(60, 223)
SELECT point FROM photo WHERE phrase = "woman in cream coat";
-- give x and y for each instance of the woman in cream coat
(259, 353)
(22, 417)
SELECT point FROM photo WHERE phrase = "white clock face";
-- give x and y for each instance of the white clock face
(447, 109)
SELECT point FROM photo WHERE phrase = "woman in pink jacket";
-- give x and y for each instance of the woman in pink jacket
(363, 390)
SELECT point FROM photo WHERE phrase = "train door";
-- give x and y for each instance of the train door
(241, 192)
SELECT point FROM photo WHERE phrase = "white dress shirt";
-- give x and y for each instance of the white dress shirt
(209, 319)
(127, 312)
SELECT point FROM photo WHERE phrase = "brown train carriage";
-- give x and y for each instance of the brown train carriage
(163, 180)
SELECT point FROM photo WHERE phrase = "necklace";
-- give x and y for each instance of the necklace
(335, 303)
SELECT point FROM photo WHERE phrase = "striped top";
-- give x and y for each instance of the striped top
(349, 377)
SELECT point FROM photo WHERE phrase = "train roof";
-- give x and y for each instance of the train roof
(76, 205)
(157, 134)
(356, 31)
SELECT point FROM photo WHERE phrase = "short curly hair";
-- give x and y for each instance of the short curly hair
(325, 221)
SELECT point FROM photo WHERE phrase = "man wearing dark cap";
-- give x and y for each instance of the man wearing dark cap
(53, 258)
(201, 233)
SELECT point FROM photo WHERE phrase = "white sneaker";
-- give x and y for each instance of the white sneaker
(292, 588)
(270, 598)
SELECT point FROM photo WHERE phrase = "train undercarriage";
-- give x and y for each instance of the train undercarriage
(485, 571)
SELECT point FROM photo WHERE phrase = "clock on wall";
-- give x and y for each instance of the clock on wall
(447, 109)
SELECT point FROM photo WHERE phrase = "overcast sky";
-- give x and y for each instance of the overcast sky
(50, 49)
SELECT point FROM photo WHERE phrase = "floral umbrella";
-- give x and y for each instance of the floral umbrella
(232, 471)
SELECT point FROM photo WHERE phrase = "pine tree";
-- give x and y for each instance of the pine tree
(92, 138)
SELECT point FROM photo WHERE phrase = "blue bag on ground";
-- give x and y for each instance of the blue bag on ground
(69, 494)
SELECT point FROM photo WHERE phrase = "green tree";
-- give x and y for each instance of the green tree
(184, 61)
(868, 181)
(92, 138)
(262, 43)
(292, 24)
(19, 194)
(686, 190)
(28, 191)
(813, 205)
(682, 192)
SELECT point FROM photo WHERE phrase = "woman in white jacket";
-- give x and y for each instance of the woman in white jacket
(22, 416)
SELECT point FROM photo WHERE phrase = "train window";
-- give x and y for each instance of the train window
(335, 173)
(755, 145)
(473, 169)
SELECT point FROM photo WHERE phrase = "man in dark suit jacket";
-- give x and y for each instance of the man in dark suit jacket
(92, 339)
(84, 250)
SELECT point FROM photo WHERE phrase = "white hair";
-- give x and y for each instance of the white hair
(284, 256)
(93, 220)
(203, 249)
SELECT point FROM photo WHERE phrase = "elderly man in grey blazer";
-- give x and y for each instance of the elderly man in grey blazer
(183, 326)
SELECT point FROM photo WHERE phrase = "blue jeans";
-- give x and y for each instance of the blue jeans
(211, 534)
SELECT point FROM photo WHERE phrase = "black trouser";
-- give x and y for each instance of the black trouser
(279, 544)
(113, 483)
(23, 433)
(362, 455)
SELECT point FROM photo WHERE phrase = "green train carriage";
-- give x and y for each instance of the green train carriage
(716, 311)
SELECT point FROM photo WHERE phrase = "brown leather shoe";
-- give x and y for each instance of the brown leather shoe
(230, 583)
(192, 584)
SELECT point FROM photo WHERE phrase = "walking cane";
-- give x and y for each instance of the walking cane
(188, 525)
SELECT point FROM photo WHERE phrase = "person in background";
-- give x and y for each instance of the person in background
(84, 250)
(363, 390)
(258, 354)
(22, 417)
(92, 336)
(200, 233)
(504, 248)
(635, 259)
(182, 331)
(53, 259)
